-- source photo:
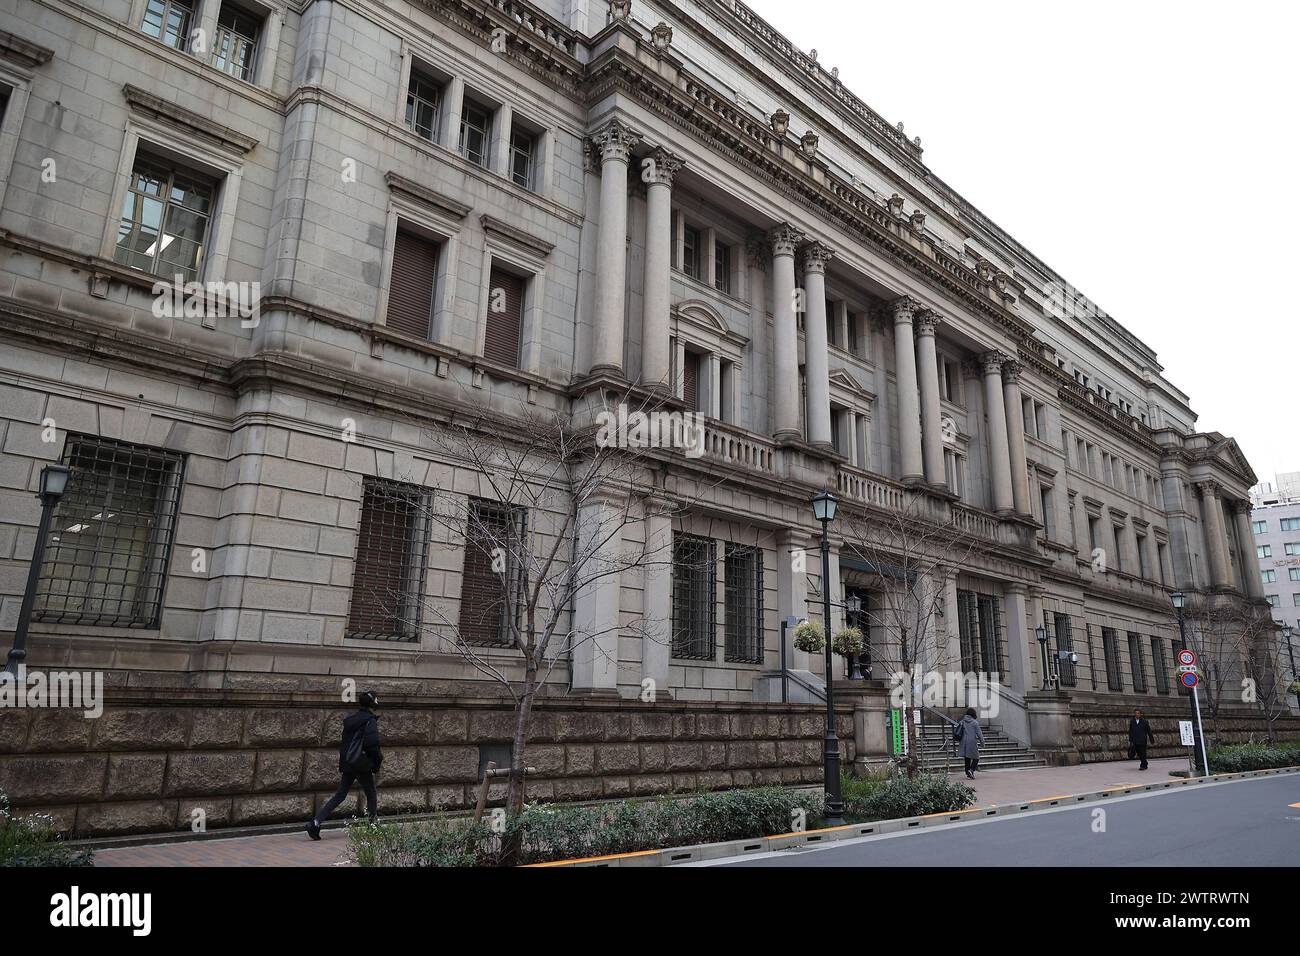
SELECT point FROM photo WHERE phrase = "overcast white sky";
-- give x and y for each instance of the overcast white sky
(1147, 150)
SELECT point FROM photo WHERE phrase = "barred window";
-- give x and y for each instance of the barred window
(744, 620)
(1064, 643)
(979, 626)
(1092, 656)
(990, 622)
(110, 536)
(388, 579)
(1162, 669)
(165, 219)
(1137, 663)
(492, 585)
(1110, 649)
(694, 591)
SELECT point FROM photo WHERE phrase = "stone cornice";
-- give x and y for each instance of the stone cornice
(1136, 433)
(15, 49)
(142, 101)
(426, 196)
(516, 236)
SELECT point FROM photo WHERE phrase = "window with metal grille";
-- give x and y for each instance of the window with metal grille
(169, 21)
(990, 623)
(505, 317)
(235, 45)
(1092, 656)
(423, 105)
(1137, 663)
(411, 284)
(1060, 623)
(110, 537)
(492, 584)
(388, 577)
(165, 219)
(1161, 668)
(744, 621)
(475, 124)
(1110, 649)
(968, 631)
(694, 592)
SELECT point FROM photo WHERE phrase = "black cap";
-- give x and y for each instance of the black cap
(369, 700)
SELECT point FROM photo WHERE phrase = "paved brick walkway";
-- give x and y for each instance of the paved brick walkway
(296, 849)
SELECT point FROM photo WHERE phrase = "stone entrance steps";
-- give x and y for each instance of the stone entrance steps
(998, 752)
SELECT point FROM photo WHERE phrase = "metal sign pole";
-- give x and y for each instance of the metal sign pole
(1200, 733)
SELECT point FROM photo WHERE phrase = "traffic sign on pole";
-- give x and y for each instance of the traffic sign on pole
(1190, 679)
(1186, 656)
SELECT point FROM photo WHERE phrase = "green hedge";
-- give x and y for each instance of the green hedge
(1236, 758)
(33, 841)
(547, 832)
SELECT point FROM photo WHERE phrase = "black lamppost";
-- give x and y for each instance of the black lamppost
(1179, 601)
(54, 481)
(1041, 632)
(1295, 678)
(824, 504)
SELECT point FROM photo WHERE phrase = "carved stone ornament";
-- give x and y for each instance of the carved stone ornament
(808, 144)
(992, 362)
(780, 123)
(903, 308)
(620, 9)
(660, 167)
(1011, 370)
(927, 320)
(918, 221)
(896, 204)
(614, 140)
(815, 256)
(785, 239)
(662, 36)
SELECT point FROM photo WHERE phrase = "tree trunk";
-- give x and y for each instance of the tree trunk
(511, 840)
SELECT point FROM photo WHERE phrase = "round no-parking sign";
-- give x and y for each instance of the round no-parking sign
(1190, 679)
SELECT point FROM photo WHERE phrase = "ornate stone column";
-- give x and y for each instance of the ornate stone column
(1016, 437)
(1216, 536)
(785, 390)
(656, 360)
(613, 143)
(909, 400)
(999, 453)
(1250, 570)
(927, 361)
(817, 370)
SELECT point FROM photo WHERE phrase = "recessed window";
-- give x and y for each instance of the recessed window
(1161, 668)
(1293, 574)
(234, 49)
(492, 584)
(1137, 663)
(1263, 551)
(694, 590)
(1269, 577)
(411, 284)
(388, 576)
(505, 316)
(523, 157)
(1291, 548)
(1110, 650)
(423, 104)
(692, 252)
(165, 219)
(110, 536)
(475, 125)
(1287, 524)
(691, 376)
(168, 21)
(722, 267)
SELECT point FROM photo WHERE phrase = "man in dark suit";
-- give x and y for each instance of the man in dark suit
(1139, 735)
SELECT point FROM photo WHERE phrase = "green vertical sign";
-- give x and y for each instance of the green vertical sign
(896, 730)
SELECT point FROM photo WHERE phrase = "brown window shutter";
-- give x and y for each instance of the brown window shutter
(691, 380)
(410, 288)
(504, 318)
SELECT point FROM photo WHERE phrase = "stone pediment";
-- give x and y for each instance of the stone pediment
(1226, 454)
(707, 319)
(845, 380)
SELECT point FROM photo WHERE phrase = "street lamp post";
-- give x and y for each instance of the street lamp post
(1197, 738)
(1295, 677)
(1041, 632)
(54, 481)
(824, 504)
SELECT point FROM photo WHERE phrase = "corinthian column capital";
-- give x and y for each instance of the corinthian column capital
(1208, 488)
(660, 167)
(815, 256)
(614, 140)
(992, 362)
(785, 239)
(903, 308)
(927, 320)
(1011, 371)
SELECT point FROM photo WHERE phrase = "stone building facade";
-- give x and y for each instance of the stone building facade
(668, 194)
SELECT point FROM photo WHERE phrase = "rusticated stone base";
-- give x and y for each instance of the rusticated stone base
(154, 759)
(1100, 731)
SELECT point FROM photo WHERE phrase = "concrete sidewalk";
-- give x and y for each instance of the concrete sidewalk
(296, 849)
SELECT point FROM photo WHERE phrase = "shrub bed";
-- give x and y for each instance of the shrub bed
(33, 841)
(1236, 758)
(545, 832)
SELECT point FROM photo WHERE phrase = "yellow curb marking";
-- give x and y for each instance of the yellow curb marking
(592, 859)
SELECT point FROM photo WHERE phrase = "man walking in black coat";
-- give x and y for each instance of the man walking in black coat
(1139, 735)
(359, 761)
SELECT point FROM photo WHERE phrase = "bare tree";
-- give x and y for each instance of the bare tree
(1223, 630)
(549, 507)
(911, 550)
(1270, 677)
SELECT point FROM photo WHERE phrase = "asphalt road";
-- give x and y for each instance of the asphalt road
(1235, 823)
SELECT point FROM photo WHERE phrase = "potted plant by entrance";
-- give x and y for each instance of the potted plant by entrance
(848, 642)
(809, 637)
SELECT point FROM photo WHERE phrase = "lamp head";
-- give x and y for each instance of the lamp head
(1041, 633)
(54, 482)
(1178, 599)
(824, 504)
